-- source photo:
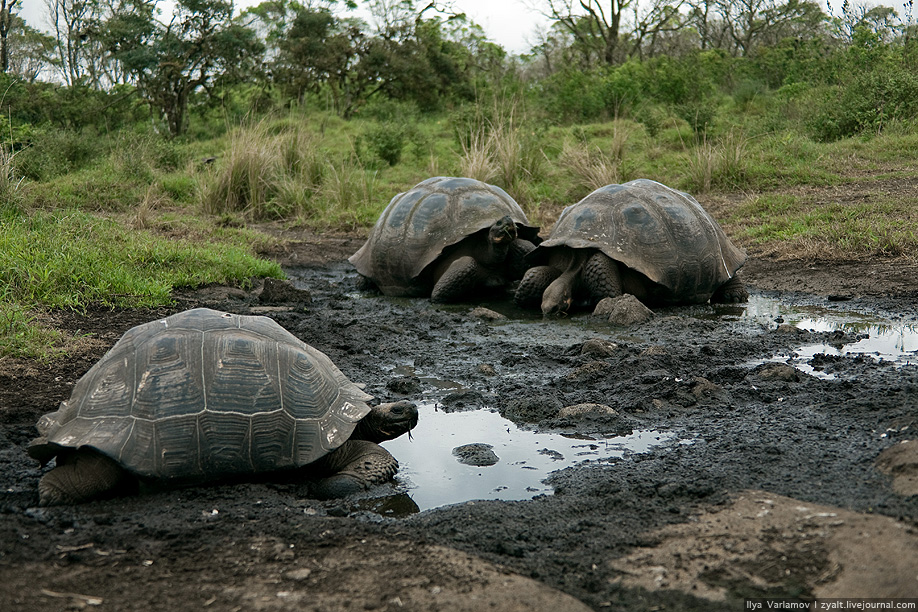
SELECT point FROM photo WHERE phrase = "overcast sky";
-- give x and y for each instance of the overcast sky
(509, 23)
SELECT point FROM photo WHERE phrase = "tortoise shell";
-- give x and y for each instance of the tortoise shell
(418, 225)
(662, 233)
(204, 393)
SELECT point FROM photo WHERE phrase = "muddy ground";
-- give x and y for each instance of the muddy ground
(785, 483)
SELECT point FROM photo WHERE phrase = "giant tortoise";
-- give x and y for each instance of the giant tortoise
(204, 395)
(445, 238)
(642, 238)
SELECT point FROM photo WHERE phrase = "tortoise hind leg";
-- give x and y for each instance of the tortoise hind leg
(354, 466)
(80, 476)
(731, 292)
(458, 280)
(602, 277)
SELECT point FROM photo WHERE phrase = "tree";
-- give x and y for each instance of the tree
(7, 20)
(753, 22)
(29, 51)
(169, 62)
(593, 26)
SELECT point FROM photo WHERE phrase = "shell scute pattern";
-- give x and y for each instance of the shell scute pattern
(202, 393)
(662, 233)
(418, 225)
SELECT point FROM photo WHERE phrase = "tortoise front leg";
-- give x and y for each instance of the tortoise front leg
(355, 466)
(458, 280)
(731, 292)
(80, 476)
(535, 282)
(602, 277)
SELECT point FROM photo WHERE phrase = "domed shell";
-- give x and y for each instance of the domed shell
(662, 233)
(204, 393)
(417, 225)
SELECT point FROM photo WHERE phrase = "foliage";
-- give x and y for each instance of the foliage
(200, 46)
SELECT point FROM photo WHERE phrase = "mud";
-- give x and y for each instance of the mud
(767, 483)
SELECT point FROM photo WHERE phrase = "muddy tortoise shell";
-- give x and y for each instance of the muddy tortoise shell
(658, 231)
(418, 225)
(204, 393)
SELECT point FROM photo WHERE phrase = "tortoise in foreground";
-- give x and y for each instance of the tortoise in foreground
(642, 238)
(445, 238)
(204, 395)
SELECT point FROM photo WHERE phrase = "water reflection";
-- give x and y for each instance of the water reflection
(883, 340)
(434, 477)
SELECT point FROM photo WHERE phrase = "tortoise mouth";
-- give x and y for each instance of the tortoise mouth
(504, 230)
(388, 421)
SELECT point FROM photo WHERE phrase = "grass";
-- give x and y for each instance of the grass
(133, 216)
(802, 226)
(70, 259)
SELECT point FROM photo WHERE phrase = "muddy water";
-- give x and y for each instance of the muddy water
(881, 339)
(432, 474)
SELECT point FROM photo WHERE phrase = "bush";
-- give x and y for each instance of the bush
(53, 153)
(868, 103)
(385, 141)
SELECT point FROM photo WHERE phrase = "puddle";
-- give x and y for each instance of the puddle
(883, 340)
(433, 476)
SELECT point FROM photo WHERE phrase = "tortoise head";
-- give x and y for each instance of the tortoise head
(386, 421)
(558, 297)
(503, 231)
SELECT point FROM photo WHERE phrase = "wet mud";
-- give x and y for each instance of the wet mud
(683, 463)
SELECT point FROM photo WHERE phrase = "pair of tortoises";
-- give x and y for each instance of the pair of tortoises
(450, 237)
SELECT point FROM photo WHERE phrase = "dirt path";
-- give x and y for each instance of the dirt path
(770, 485)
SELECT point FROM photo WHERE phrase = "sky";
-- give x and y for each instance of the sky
(509, 23)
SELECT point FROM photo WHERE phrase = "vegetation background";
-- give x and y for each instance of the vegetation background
(142, 151)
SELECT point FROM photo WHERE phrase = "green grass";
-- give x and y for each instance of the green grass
(801, 226)
(70, 259)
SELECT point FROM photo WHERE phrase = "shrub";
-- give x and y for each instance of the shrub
(53, 153)
(869, 102)
(385, 141)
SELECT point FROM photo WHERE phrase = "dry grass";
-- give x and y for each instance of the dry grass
(498, 149)
(594, 168)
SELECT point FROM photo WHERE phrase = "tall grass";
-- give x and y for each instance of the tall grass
(271, 173)
(720, 163)
(499, 147)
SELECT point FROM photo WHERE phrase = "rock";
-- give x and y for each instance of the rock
(487, 314)
(578, 410)
(531, 409)
(624, 310)
(776, 371)
(461, 400)
(901, 463)
(478, 454)
(404, 385)
(598, 347)
(276, 291)
(486, 369)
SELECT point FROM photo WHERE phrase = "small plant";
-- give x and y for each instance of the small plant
(477, 159)
(499, 149)
(386, 141)
(722, 163)
(247, 174)
(9, 183)
(349, 194)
